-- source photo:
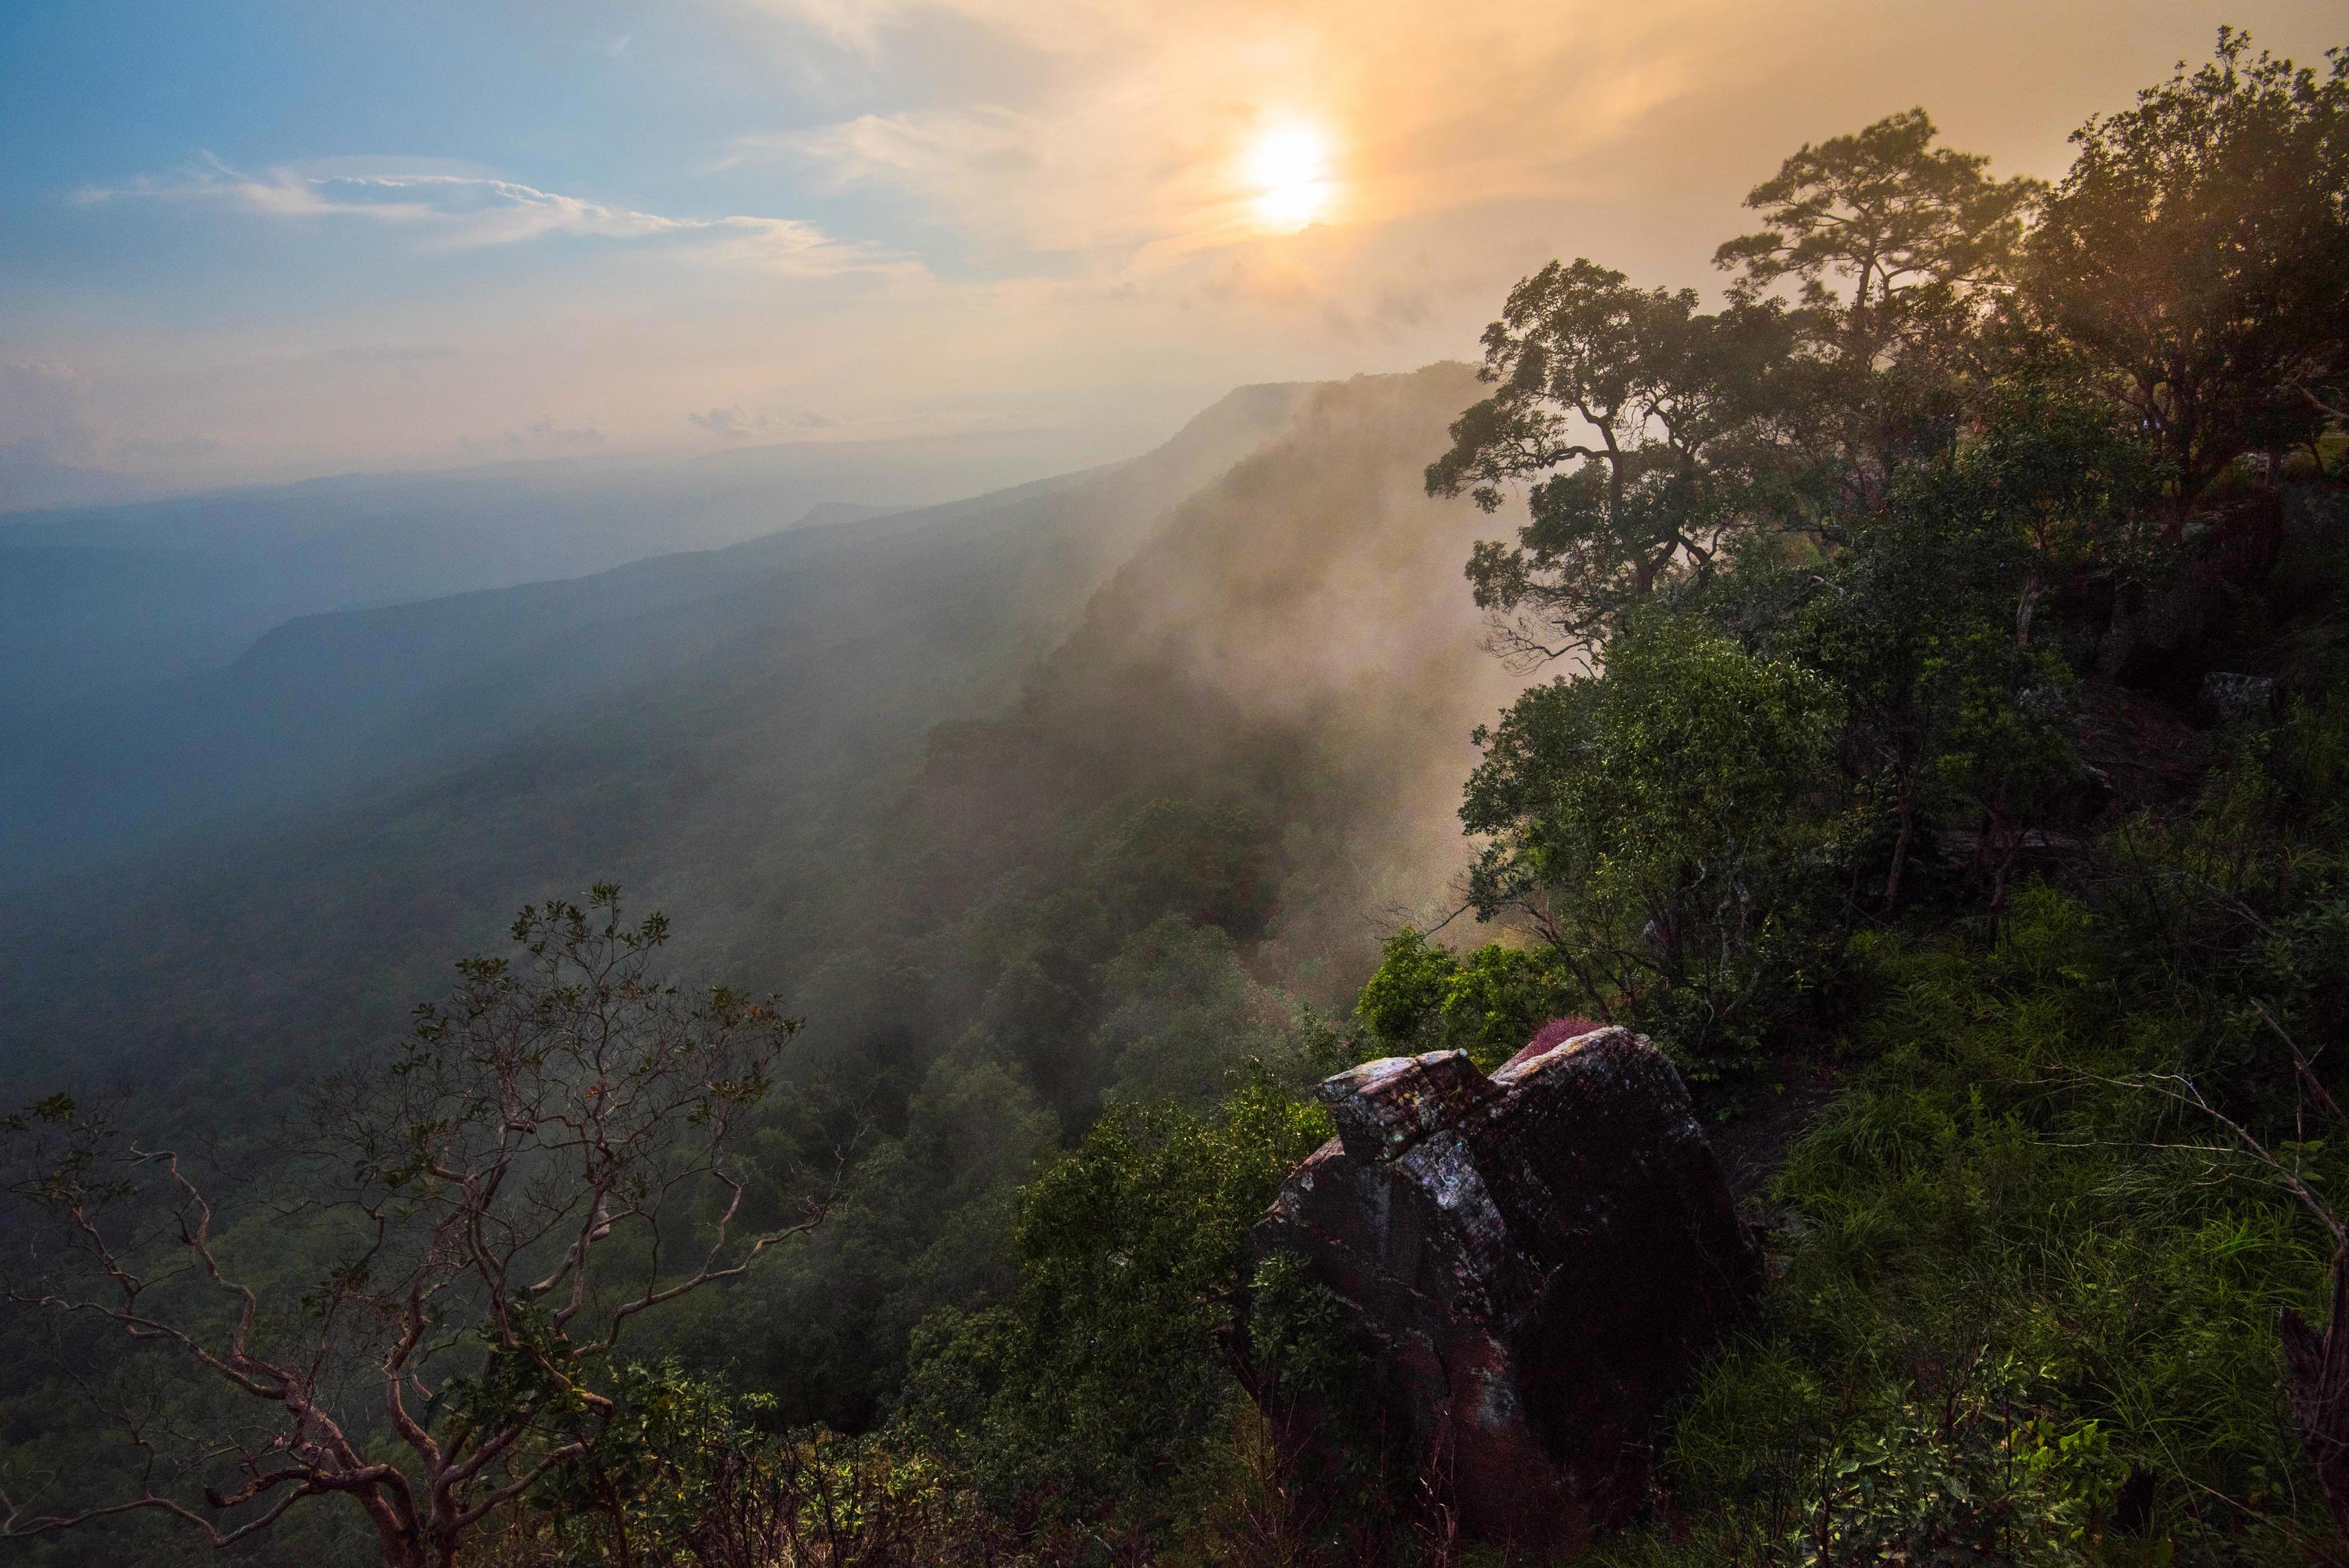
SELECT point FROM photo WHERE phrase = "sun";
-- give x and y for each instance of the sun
(1289, 168)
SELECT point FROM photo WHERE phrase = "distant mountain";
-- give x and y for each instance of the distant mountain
(98, 598)
(29, 482)
(870, 764)
(298, 841)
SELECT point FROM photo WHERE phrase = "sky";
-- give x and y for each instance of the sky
(243, 240)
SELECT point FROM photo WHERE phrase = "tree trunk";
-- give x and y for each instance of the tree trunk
(2316, 1381)
(398, 1545)
(1900, 852)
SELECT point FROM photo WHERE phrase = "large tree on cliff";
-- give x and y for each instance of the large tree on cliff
(1894, 252)
(1890, 243)
(1636, 420)
(2196, 258)
(547, 1158)
(1649, 432)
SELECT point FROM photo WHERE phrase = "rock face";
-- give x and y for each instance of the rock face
(1535, 1259)
(2231, 698)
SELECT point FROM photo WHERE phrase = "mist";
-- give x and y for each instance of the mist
(1296, 639)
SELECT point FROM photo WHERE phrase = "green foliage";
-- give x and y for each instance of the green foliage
(2028, 1281)
(1101, 1396)
(2013, 1277)
(1675, 405)
(2194, 263)
(654, 1475)
(1299, 1339)
(689, 1476)
(1677, 824)
(1956, 717)
(1314, 1363)
(1181, 1013)
(1487, 1003)
(491, 1204)
(1206, 863)
(1643, 816)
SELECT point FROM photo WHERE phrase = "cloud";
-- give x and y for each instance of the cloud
(734, 424)
(1079, 165)
(541, 436)
(848, 24)
(731, 422)
(391, 353)
(454, 212)
(1127, 131)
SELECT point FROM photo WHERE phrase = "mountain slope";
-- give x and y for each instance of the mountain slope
(714, 730)
(1218, 794)
(1299, 638)
(819, 753)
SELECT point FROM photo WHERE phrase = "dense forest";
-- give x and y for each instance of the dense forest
(1915, 694)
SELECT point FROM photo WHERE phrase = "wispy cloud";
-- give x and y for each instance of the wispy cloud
(734, 423)
(453, 212)
(849, 24)
(541, 435)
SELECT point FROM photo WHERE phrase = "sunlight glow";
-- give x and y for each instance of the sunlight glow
(1289, 168)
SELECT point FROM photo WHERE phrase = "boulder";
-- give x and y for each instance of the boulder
(2229, 697)
(1534, 1261)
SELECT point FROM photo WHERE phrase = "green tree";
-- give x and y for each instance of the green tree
(1488, 1003)
(1641, 817)
(1204, 861)
(1181, 1014)
(2196, 258)
(690, 1473)
(1928, 622)
(1101, 1396)
(1635, 420)
(549, 1156)
(1890, 242)
(1896, 251)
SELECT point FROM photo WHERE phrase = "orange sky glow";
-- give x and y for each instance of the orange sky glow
(1082, 217)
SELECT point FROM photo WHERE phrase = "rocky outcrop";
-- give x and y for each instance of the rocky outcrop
(1533, 1260)
(2229, 697)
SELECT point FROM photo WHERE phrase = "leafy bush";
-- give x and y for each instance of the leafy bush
(1646, 820)
(1487, 1003)
(1101, 1396)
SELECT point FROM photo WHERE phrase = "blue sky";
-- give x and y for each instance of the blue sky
(253, 240)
